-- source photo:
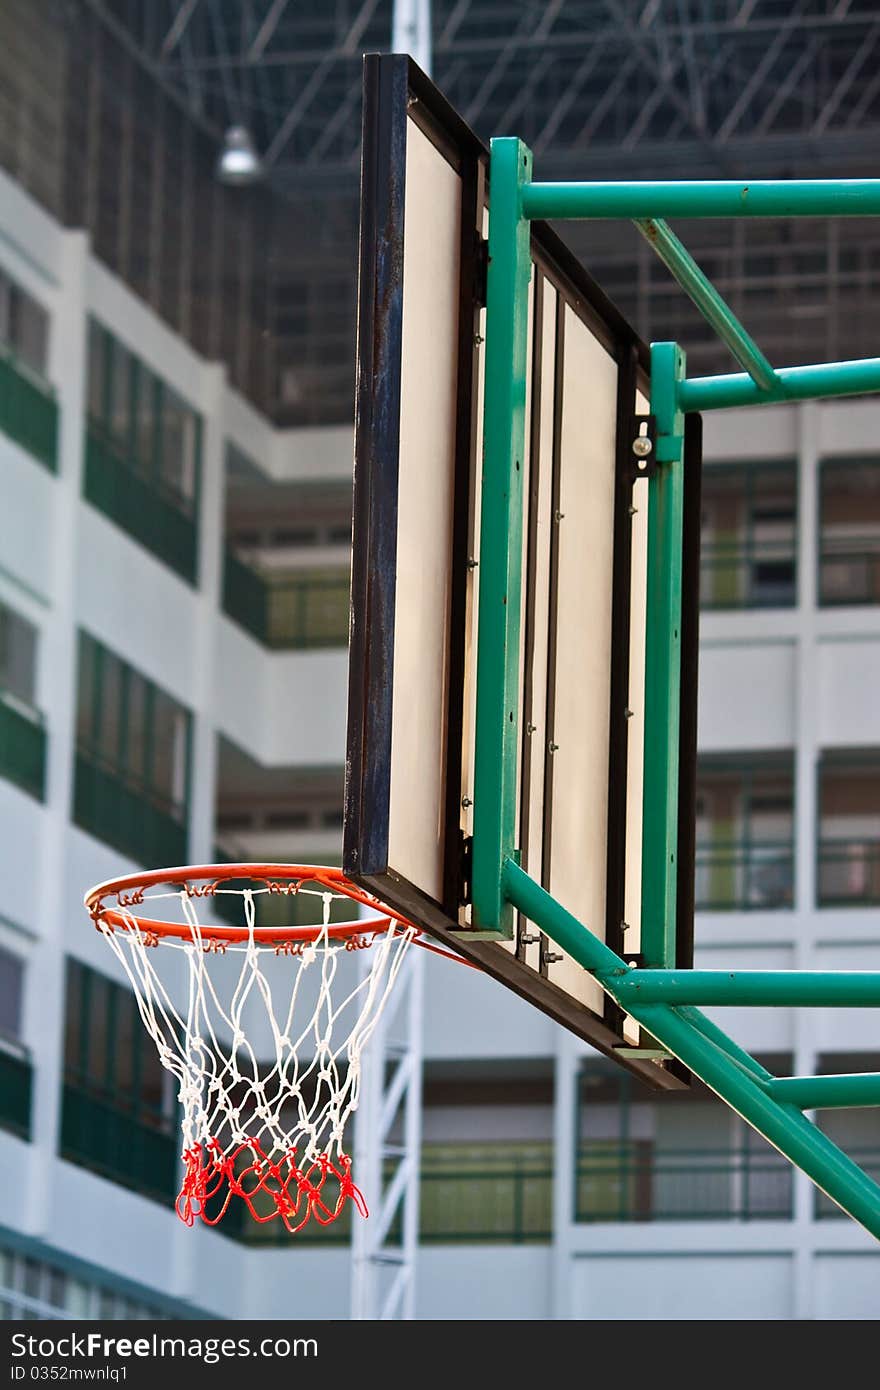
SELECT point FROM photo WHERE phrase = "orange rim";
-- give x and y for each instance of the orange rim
(202, 880)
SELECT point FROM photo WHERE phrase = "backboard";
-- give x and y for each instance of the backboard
(412, 687)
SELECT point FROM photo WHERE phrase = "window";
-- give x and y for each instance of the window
(18, 655)
(856, 1131)
(33, 1290)
(22, 734)
(11, 989)
(133, 758)
(24, 325)
(118, 1114)
(143, 453)
(28, 408)
(16, 1072)
(149, 424)
(849, 828)
(749, 536)
(849, 532)
(686, 1158)
(745, 832)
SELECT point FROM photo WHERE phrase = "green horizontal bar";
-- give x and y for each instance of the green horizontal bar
(682, 266)
(794, 384)
(828, 1092)
(817, 988)
(705, 198)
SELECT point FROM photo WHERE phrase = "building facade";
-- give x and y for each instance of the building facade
(173, 628)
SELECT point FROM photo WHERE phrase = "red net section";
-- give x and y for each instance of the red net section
(286, 1190)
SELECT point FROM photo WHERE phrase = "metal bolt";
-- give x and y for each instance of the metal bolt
(550, 957)
(466, 802)
(627, 714)
(478, 338)
(552, 747)
(642, 446)
(472, 564)
(557, 516)
(530, 728)
(528, 939)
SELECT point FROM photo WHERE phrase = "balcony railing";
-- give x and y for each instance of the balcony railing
(636, 1182)
(501, 1195)
(122, 814)
(153, 515)
(28, 411)
(732, 876)
(468, 1194)
(16, 1075)
(98, 1133)
(849, 873)
(279, 910)
(289, 612)
(868, 1160)
(849, 571)
(739, 574)
(22, 746)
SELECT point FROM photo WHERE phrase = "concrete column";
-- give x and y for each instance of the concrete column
(806, 754)
(569, 1053)
(206, 673)
(59, 901)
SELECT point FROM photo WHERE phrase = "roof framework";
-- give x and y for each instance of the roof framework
(598, 89)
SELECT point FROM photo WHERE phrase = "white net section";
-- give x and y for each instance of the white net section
(264, 1123)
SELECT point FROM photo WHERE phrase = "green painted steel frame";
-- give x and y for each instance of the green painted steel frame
(659, 997)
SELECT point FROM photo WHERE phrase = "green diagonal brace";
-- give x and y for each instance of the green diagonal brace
(711, 1056)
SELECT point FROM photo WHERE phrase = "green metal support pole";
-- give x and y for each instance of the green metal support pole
(709, 198)
(679, 262)
(820, 380)
(828, 1092)
(663, 662)
(497, 715)
(851, 989)
(701, 1046)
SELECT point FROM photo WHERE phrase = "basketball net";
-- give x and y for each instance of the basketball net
(266, 1129)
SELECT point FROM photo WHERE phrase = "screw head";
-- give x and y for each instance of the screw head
(642, 446)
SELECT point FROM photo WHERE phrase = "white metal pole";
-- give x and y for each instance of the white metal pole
(411, 31)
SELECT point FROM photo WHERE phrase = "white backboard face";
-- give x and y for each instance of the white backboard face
(415, 622)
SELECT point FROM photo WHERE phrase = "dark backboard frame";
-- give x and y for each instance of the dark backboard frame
(396, 91)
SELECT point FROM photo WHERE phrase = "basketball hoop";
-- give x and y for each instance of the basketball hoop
(267, 1129)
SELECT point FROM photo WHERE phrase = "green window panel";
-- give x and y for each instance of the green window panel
(139, 508)
(115, 1116)
(97, 1135)
(133, 759)
(28, 412)
(16, 1076)
(115, 812)
(143, 453)
(307, 609)
(22, 750)
(501, 1194)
